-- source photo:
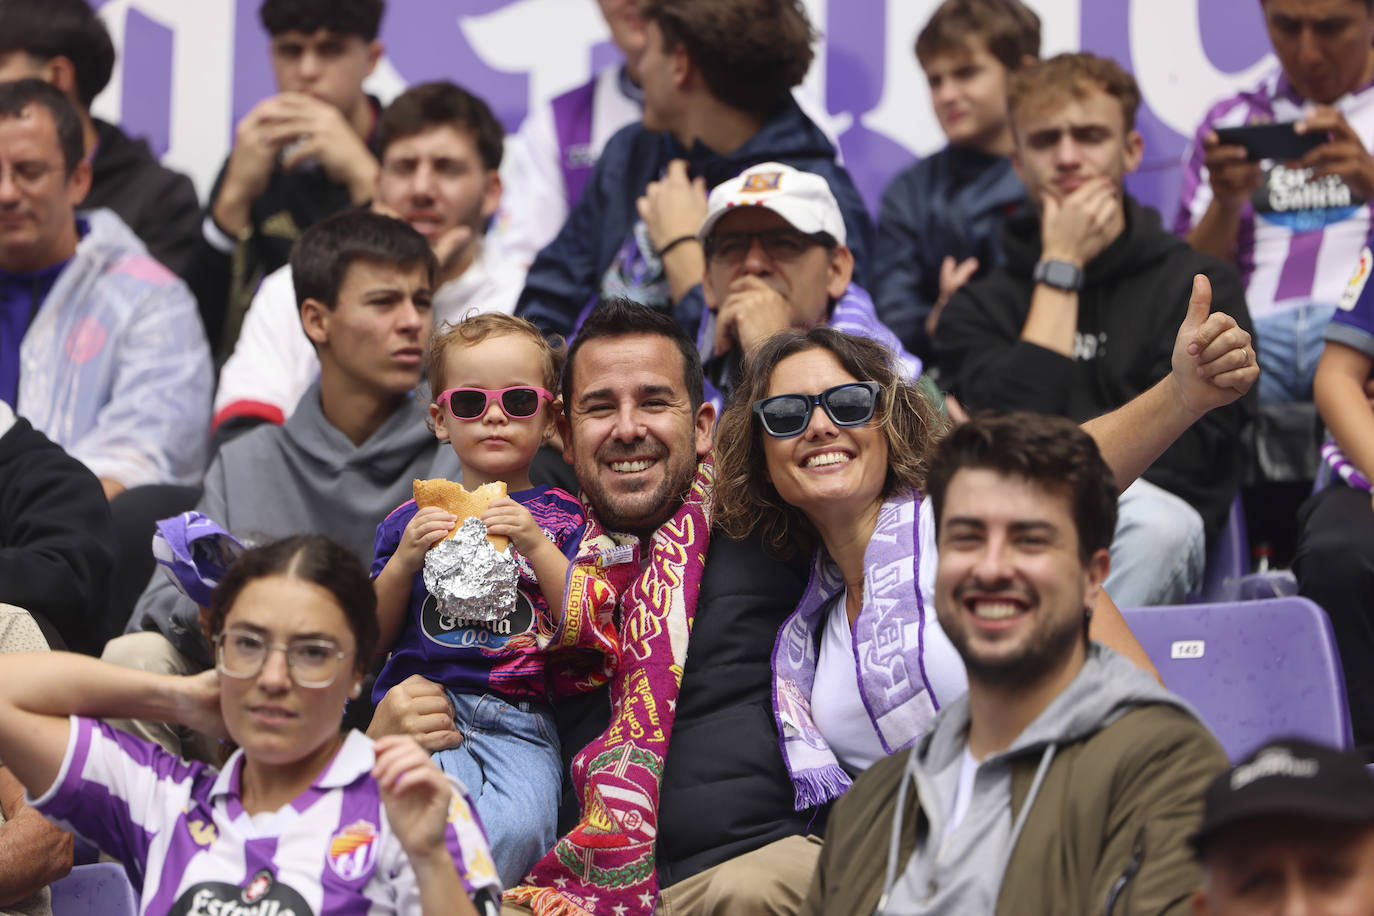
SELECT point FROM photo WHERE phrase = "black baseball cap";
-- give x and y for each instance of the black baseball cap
(1288, 778)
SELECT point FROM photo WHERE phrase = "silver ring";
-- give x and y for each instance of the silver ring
(1246, 351)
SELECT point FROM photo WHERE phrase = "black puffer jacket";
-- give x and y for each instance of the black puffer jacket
(725, 789)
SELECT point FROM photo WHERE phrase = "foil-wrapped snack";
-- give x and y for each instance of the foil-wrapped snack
(468, 577)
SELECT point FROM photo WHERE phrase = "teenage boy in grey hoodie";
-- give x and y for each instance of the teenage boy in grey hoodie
(1066, 780)
(346, 456)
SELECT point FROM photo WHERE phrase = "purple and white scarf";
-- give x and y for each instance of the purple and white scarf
(888, 650)
(1335, 459)
(195, 553)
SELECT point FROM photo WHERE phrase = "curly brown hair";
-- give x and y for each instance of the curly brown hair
(747, 502)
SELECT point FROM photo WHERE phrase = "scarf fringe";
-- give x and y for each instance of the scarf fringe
(820, 785)
(544, 901)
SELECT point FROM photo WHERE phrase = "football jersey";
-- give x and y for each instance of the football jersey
(182, 833)
(1299, 234)
(480, 656)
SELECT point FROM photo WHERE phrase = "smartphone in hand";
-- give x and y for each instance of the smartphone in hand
(1270, 141)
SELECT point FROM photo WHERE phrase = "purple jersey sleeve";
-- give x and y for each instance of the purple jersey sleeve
(119, 791)
(559, 514)
(389, 535)
(1352, 323)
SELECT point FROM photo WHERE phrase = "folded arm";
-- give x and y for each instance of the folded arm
(40, 690)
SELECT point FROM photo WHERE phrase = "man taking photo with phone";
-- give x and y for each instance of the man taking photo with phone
(1293, 227)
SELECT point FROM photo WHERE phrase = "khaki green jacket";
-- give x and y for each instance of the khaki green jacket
(1107, 832)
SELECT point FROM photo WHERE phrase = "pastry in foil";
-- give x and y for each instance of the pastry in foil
(468, 577)
(457, 500)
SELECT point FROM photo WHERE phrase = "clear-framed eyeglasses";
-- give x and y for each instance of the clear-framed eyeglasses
(311, 661)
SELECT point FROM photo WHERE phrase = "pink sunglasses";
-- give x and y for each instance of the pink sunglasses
(519, 402)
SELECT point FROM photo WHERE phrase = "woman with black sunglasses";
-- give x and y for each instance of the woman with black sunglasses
(303, 817)
(824, 448)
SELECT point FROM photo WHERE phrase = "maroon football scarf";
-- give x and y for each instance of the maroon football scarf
(605, 865)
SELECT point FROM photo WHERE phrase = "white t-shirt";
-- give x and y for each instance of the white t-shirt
(835, 701)
(836, 704)
(963, 793)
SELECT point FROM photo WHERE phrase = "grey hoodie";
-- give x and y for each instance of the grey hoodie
(963, 874)
(304, 477)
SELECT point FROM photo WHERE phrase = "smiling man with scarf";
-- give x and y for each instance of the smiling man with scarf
(1066, 780)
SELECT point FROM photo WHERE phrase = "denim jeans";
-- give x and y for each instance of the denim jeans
(509, 762)
(1158, 550)
(1288, 346)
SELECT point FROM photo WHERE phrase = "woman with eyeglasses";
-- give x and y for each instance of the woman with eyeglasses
(301, 819)
(824, 448)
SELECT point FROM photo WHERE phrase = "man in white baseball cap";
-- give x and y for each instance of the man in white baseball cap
(776, 258)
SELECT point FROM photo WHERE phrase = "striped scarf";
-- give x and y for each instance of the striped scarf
(606, 864)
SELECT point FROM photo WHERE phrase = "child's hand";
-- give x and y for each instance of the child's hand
(508, 518)
(426, 529)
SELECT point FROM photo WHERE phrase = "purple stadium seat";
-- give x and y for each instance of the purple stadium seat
(101, 889)
(1228, 560)
(1254, 670)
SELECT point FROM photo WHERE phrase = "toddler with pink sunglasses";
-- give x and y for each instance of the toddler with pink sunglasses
(493, 376)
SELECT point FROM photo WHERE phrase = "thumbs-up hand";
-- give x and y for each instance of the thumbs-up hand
(1214, 360)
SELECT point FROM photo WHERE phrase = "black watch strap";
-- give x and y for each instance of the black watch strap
(1059, 274)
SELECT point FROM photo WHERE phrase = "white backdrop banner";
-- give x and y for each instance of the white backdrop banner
(188, 69)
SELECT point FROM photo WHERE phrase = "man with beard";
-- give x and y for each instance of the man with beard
(1066, 780)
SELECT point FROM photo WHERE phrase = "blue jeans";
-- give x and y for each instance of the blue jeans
(1288, 346)
(1158, 550)
(509, 762)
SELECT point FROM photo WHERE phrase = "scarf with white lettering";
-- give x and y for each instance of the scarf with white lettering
(888, 648)
(606, 864)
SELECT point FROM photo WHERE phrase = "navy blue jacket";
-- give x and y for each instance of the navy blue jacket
(953, 203)
(567, 274)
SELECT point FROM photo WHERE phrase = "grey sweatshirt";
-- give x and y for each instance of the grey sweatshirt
(963, 873)
(304, 477)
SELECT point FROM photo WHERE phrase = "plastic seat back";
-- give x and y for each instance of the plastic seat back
(101, 889)
(1254, 670)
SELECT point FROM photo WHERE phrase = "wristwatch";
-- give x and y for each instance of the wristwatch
(1059, 274)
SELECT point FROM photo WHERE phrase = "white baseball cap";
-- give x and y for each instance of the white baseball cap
(801, 198)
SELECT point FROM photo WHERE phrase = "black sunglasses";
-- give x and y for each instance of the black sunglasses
(787, 415)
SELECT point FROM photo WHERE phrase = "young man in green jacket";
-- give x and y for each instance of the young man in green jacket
(1066, 780)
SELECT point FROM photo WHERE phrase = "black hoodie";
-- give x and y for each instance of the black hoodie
(160, 205)
(55, 535)
(1134, 297)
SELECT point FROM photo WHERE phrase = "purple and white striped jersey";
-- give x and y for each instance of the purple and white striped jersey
(182, 833)
(1353, 321)
(1299, 235)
